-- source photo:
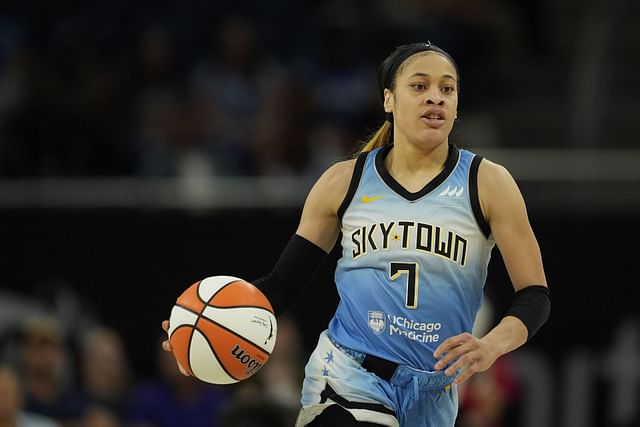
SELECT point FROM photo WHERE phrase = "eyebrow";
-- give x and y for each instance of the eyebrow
(444, 76)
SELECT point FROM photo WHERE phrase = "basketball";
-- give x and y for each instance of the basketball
(222, 329)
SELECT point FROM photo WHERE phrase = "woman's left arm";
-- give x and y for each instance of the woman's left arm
(505, 211)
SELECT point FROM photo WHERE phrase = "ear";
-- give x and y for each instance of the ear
(388, 101)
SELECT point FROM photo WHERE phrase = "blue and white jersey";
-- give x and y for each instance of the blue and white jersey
(413, 265)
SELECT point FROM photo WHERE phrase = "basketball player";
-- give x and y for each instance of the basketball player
(418, 218)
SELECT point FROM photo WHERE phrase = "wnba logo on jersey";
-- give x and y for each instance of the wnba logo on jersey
(376, 321)
(450, 196)
(452, 192)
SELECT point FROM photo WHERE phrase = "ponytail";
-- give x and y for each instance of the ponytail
(380, 138)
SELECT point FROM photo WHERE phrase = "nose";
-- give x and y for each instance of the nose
(434, 97)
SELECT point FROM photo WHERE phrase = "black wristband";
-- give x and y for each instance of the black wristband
(299, 262)
(532, 305)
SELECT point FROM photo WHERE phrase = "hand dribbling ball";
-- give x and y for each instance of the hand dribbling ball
(222, 329)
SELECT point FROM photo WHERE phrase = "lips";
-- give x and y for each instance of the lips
(433, 118)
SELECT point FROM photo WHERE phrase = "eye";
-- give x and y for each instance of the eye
(419, 86)
(448, 90)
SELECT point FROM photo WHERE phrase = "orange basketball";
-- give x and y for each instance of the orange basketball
(222, 329)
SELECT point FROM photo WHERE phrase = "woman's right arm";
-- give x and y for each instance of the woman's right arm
(319, 222)
(315, 236)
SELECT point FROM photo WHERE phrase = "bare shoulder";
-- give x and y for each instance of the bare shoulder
(491, 173)
(340, 171)
(334, 182)
(496, 187)
(319, 222)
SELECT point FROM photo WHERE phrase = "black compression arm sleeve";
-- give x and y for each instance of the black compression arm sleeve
(532, 305)
(299, 262)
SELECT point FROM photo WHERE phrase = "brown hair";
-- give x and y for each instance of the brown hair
(377, 139)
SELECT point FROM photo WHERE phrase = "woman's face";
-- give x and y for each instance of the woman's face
(424, 101)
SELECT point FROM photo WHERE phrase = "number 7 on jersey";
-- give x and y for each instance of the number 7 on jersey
(411, 269)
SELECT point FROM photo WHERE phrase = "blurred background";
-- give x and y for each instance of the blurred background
(146, 145)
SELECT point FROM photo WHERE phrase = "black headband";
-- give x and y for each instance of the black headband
(387, 70)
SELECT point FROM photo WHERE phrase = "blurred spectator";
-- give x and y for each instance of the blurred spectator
(154, 66)
(47, 387)
(96, 416)
(490, 398)
(172, 399)
(156, 93)
(337, 70)
(16, 63)
(11, 402)
(340, 81)
(280, 135)
(236, 81)
(105, 376)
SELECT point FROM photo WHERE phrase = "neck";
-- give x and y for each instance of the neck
(414, 166)
(411, 159)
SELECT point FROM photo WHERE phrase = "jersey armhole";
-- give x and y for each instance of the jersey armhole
(474, 197)
(353, 184)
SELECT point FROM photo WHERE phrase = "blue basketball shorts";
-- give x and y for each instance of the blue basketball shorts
(411, 398)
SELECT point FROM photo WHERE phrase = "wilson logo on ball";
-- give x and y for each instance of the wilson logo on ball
(252, 364)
